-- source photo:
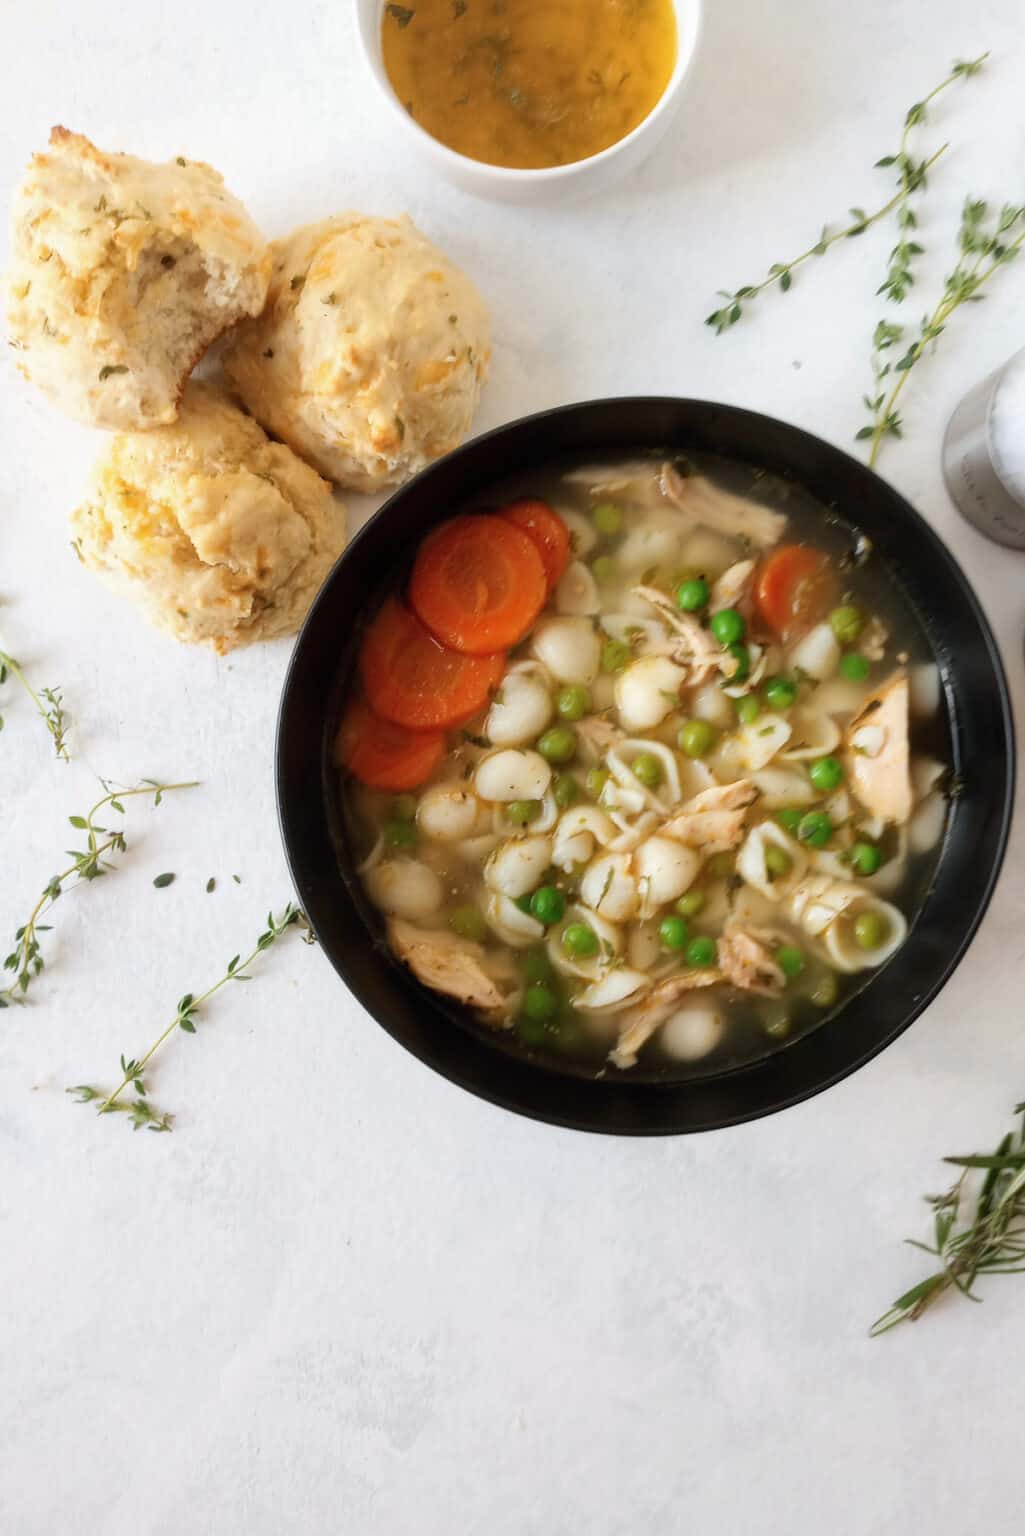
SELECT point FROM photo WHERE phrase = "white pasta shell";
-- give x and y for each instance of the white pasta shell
(665, 869)
(544, 821)
(760, 741)
(622, 755)
(506, 920)
(819, 900)
(577, 592)
(926, 773)
(711, 703)
(610, 939)
(813, 734)
(694, 1030)
(890, 877)
(512, 774)
(609, 887)
(518, 865)
(926, 826)
(448, 813)
(839, 807)
(643, 946)
(612, 990)
(521, 709)
(710, 553)
(404, 888)
(759, 666)
(579, 830)
(630, 832)
(845, 953)
(647, 691)
(623, 800)
(474, 850)
(583, 534)
(752, 866)
(374, 857)
(655, 541)
(569, 647)
(784, 786)
(816, 654)
(841, 697)
(645, 636)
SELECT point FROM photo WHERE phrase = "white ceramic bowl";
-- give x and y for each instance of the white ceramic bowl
(557, 184)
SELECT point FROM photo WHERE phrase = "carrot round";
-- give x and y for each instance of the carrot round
(794, 587)
(383, 755)
(412, 679)
(543, 524)
(478, 584)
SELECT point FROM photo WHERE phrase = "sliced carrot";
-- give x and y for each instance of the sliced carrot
(414, 680)
(794, 588)
(544, 525)
(384, 755)
(478, 584)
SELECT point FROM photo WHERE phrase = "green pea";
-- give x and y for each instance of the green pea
(854, 667)
(468, 923)
(720, 865)
(815, 828)
(566, 790)
(777, 861)
(403, 807)
(778, 1026)
(647, 769)
(742, 656)
(614, 655)
(690, 904)
(692, 595)
(596, 780)
(825, 991)
(536, 964)
(539, 1002)
(574, 702)
(866, 858)
(558, 744)
(870, 930)
(845, 622)
(790, 960)
(826, 773)
(701, 952)
(780, 692)
(400, 834)
(748, 709)
(604, 570)
(696, 737)
(673, 932)
(727, 626)
(580, 941)
(548, 905)
(521, 812)
(789, 817)
(531, 1031)
(523, 902)
(607, 518)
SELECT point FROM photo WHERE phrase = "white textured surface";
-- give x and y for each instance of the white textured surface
(344, 1296)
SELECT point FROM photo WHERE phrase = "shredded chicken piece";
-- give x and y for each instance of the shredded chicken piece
(747, 963)
(597, 735)
(693, 647)
(639, 481)
(733, 515)
(448, 964)
(878, 754)
(733, 586)
(639, 1023)
(713, 820)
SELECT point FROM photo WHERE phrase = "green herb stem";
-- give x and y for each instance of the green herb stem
(51, 712)
(26, 959)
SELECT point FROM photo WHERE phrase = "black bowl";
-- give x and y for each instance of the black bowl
(979, 721)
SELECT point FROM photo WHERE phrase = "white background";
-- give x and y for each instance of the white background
(345, 1296)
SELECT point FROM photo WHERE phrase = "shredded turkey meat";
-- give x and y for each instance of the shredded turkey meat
(598, 735)
(451, 965)
(735, 516)
(746, 962)
(713, 821)
(694, 646)
(639, 1023)
(733, 587)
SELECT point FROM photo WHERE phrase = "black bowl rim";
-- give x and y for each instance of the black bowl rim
(494, 1092)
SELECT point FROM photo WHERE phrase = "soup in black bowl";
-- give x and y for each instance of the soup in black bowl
(645, 768)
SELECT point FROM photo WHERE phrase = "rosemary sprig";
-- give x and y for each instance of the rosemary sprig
(911, 176)
(141, 1113)
(989, 1240)
(25, 960)
(982, 251)
(49, 703)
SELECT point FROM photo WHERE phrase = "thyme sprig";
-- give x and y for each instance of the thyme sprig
(985, 244)
(49, 703)
(911, 177)
(25, 960)
(141, 1113)
(988, 1239)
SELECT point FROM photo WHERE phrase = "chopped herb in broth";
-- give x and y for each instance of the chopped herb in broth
(690, 804)
(515, 83)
